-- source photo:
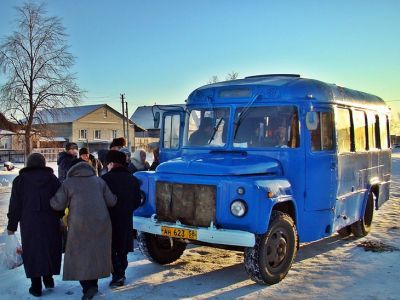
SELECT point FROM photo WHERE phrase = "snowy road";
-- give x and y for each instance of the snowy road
(332, 268)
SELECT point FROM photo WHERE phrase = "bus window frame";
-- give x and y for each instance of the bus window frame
(366, 144)
(320, 111)
(265, 148)
(352, 147)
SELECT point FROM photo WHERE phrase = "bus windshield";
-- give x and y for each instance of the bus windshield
(207, 127)
(268, 126)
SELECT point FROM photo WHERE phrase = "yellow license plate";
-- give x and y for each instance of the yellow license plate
(179, 233)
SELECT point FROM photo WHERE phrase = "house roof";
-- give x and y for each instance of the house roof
(71, 114)
(143, 115)
(65, 114)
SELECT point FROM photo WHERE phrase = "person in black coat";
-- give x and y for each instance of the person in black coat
(126, 187)
(39, 224)
(65, 160)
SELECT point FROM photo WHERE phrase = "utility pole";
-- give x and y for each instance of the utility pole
(123, 113)
(127, 125)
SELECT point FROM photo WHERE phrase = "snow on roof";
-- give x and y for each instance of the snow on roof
(143, 115)
(65, 114)
(6, 132)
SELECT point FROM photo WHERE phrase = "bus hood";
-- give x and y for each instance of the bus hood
(221, 164)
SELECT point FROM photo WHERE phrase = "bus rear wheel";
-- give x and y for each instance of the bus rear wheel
(158, 249)
(270, 259)
(363, 226)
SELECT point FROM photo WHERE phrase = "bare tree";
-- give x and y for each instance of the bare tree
(213, 79)
(36, 62)
(232, 75)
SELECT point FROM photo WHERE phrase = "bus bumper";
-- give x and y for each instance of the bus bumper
(208, 235)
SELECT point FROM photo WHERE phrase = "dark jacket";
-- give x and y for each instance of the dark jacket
(64, 163)
(131, 168)
(126, 187)
(39, 224)
(88, 249)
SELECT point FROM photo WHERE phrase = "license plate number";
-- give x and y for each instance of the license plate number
(179, 233)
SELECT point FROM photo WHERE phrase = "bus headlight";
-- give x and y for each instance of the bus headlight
(238, 208)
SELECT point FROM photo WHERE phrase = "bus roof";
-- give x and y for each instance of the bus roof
(284, 87)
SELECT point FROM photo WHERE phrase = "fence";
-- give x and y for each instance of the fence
(145, 143)
(15, 156)
(51, 154)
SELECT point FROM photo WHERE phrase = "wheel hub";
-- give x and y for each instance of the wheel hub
(276, 249)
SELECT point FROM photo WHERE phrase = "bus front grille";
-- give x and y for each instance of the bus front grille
(191, 204)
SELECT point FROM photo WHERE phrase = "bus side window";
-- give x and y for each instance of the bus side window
(383, 131)
(343, 128)
(360, 139)
(322, 137)
(371, 132)
(377, 132)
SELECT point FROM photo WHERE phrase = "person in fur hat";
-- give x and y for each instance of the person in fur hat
(116, 144)
(29, 206)
(126, 188)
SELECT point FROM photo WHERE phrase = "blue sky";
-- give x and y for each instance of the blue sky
(159, 51)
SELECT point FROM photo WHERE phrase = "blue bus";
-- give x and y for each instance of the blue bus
(262, 164)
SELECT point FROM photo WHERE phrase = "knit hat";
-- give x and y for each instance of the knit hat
(36, 160)
(118, 142)
(126, 151)
(70, 146)
(83, 151)
(114, 156)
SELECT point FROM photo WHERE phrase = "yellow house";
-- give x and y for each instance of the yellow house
(92, 126)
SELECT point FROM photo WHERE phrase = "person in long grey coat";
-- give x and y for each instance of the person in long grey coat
(88, 249)
(29, 206)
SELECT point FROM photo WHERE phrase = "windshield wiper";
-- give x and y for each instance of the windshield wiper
(243, 114)
(215, 130)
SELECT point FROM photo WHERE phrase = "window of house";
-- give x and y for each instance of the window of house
(322, 137)
(97, 134)
(343, 128)
(105, 112)
(114, 134)
(83, 134)
(5, 142)
(360, 139)
(383, 132)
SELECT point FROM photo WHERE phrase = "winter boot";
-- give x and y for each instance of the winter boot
(117, 281)
(48, 282)
(36, 287)
(90, 293)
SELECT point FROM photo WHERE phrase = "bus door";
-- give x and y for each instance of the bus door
(321, 162)
(171, 134)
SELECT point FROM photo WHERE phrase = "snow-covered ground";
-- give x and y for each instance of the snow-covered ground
(332, 268)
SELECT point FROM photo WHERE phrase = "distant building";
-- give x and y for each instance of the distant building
(92, 126)
(144, 117)
(11, 141)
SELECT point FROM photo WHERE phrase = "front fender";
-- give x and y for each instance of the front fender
(260, 203)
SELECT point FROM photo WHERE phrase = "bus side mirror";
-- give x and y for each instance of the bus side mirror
(312, 120)
(156, 119)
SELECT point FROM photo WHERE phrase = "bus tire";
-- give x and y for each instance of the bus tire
(345, 231)
(270, 259)
(363, 227)
(159, 249)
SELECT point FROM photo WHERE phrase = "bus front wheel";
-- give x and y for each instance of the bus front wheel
(158, 249)
(270, 259)
(363, 226)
